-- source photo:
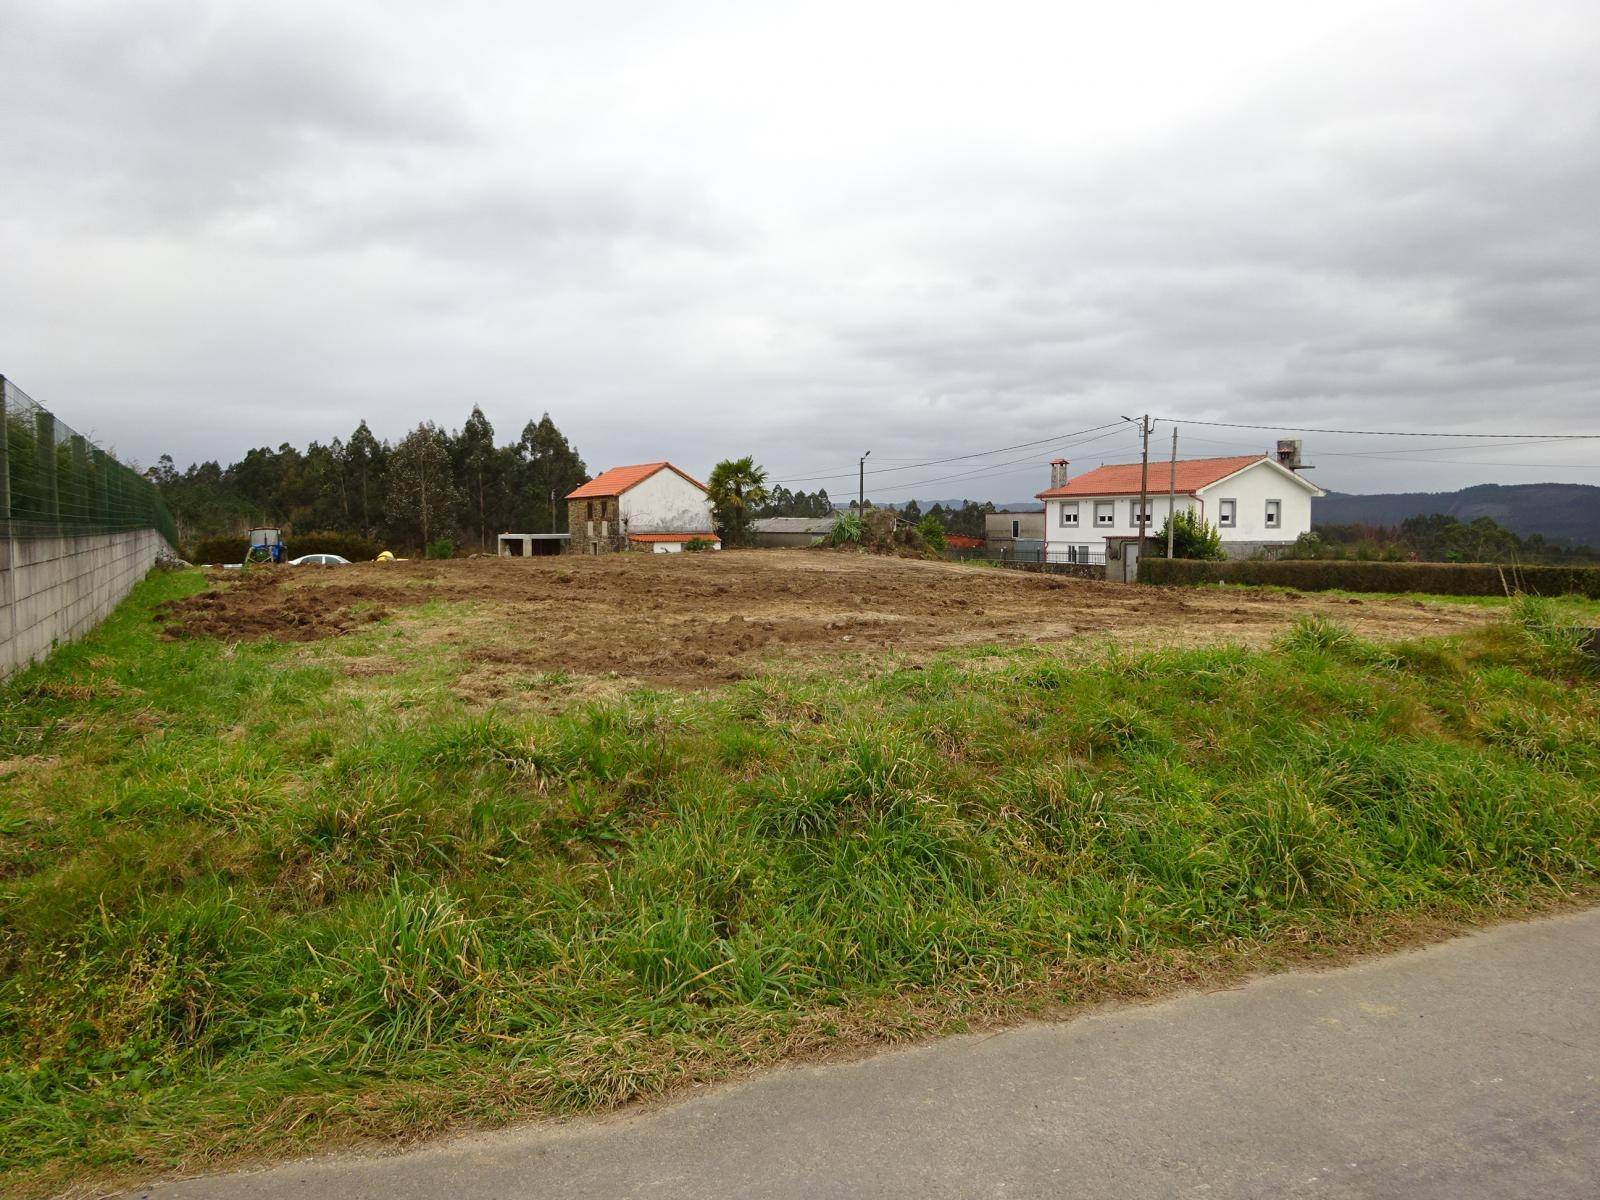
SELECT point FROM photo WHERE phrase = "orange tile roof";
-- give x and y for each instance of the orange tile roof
(619, 479)
(1122, 479)
(673, 537)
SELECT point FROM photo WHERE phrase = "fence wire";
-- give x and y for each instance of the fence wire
(54, 482)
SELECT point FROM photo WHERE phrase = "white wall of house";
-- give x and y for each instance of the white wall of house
(665, 503)
(1123, 511)
(1250, 490)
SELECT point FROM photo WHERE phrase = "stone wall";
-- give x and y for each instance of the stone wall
(55, 590)
(593, 524)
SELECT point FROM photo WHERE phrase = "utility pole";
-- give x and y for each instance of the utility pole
(553, 511)
(1172, 492)
(1144, 481)
(1144, 476)
(861, 498)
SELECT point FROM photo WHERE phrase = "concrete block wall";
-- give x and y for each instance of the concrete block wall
(55, 590)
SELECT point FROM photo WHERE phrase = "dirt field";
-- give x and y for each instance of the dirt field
(696, 620)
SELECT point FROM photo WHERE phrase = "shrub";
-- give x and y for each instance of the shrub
(219, 550)
(696, 545)
(932, 531)
(1192, 538)
(443, 547)
(846, 530)
(1443, 579)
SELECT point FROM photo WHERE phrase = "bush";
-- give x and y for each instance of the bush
(1192, 538)
(697, 545)
(443, 547)
(846, 530)
(932, 531)
(219, 550)
(1443, 579)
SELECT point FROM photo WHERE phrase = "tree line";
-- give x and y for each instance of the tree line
(433, 486)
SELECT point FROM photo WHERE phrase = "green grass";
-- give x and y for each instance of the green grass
(249, 904)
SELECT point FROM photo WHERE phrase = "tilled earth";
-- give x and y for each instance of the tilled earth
(692, 620)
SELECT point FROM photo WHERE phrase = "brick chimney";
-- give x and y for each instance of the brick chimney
(1058, 472)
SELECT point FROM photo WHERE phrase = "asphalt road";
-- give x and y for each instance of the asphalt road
(1471, 1069)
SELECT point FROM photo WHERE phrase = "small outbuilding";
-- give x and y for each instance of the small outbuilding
(1006, 533)
(532, 545)
(790, 531)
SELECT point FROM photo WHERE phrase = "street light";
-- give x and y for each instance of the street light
(861, 498)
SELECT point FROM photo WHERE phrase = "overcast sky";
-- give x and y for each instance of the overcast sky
(802, 230)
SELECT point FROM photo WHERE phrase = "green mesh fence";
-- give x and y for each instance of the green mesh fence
(54, 482)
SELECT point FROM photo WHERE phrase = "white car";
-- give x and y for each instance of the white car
(319, 560)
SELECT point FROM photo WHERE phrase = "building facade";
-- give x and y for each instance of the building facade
(653, 507)
(1007, 532)
(792, 532)
(1255, 502)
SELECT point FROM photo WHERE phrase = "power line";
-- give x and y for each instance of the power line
(1382, 432)
(995, 468)
(953, 458)
(1384, 454)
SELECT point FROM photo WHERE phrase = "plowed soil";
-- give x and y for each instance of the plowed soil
(693, 620)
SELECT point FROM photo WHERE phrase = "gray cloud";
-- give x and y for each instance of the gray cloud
(692, 230)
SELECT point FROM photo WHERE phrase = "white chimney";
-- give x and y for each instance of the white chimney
(1058, 472)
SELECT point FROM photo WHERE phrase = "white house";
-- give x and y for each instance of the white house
(1254, 501)
(649, 506)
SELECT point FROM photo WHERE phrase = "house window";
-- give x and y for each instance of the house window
(1274, 513)
(1133, 513)
(1069, 515)
(1105, 512)
(1016, 529)
(589, 515)
(1225, 511)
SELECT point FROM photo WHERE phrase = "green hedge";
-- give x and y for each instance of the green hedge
(233, 549)
(1444, 579)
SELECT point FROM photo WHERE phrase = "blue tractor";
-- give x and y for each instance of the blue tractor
(267, 546)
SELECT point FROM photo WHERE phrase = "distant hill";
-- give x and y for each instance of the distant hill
(1562, 512)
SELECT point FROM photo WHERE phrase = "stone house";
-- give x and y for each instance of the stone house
(653, 507)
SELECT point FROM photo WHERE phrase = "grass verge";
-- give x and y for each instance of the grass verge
(251, 903)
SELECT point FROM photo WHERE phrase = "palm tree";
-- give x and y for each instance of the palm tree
(737, 485)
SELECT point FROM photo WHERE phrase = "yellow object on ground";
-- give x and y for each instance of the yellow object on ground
(385, 556)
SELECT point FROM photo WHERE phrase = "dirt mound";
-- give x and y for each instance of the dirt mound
(257, 605)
